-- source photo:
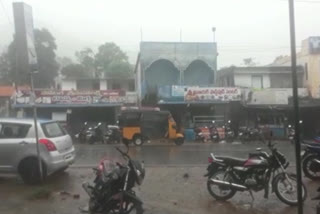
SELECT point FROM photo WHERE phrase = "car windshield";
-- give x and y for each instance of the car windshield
(53, 129)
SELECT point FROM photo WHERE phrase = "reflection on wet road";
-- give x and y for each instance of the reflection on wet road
(171, 155)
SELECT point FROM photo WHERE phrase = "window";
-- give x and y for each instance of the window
(306, 70)
(53, 130)
(14, 130)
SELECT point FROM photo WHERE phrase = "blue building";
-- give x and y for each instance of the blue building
(175, 63)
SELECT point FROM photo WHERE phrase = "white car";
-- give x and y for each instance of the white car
(18, 151)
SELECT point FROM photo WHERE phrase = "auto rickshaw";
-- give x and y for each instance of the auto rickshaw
(139, 125)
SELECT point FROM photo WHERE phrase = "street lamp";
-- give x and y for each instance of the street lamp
(33, 103)
(214, 33)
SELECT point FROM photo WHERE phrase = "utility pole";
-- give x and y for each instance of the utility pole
(295, 105)
(36, 123)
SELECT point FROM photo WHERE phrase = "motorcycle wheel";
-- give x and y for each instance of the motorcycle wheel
(307, 168)
(281, 192)
(129, 206)
(220, 193)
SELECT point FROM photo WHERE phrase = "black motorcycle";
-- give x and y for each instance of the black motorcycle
(112, 134)
(112, 191)
(82, 135)
(310, 157)
(95, 134)
(229, 132)
(228, 175)
(247, 134)
(291, 133)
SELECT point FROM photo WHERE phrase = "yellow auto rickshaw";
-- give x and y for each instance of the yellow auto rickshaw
(139, 125)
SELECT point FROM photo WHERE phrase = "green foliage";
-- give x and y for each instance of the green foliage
(75, 71)
(86, 58)
(47, 66)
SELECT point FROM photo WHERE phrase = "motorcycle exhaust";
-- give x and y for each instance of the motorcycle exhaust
(87, 188)
(228, 184)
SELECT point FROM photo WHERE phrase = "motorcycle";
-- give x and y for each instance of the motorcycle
(310, 157)
(228, 175)
(229, 133)
(291, 133)
(112, 191)
(214, 133)
(113, 134)
(247, 134)
(82, 136)
(95, 134)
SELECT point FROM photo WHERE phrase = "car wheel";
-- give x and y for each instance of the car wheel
(29, 171)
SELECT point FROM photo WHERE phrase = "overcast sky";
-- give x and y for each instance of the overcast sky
(245, 28)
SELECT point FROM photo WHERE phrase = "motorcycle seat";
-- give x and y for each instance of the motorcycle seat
(233, 161)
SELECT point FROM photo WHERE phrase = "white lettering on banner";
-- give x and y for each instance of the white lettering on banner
(212, 94)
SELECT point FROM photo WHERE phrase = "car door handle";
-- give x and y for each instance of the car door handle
(23, 143)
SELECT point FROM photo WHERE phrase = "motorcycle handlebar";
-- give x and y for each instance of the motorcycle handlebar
(122, 153)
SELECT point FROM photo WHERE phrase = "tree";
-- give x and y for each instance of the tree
(64, 61)
(112, 60)
(249, 62)
(86, 58)
(5, 70)
(75, 71)
(47, 66)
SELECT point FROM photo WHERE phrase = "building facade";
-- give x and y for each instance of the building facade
(175, 63)
(309, 59)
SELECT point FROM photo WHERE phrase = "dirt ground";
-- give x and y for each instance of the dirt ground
(165, 190)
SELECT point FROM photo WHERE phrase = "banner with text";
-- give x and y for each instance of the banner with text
(74, 97)
(193, 94)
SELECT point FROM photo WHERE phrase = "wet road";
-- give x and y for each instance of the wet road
(189, 154)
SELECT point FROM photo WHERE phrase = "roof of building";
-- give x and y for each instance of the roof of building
(259, 69)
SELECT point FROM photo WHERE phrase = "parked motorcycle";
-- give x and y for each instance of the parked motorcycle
(291, 132)
(247, 134)
(112, 191)
(113, 134)
(95, 134)
(229, 132)
(214, 133)
(199, 135)
(82, 135)
(228, 175)
(311, 160)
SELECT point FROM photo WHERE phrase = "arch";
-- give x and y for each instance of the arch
(161, 72)
(198, 73)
